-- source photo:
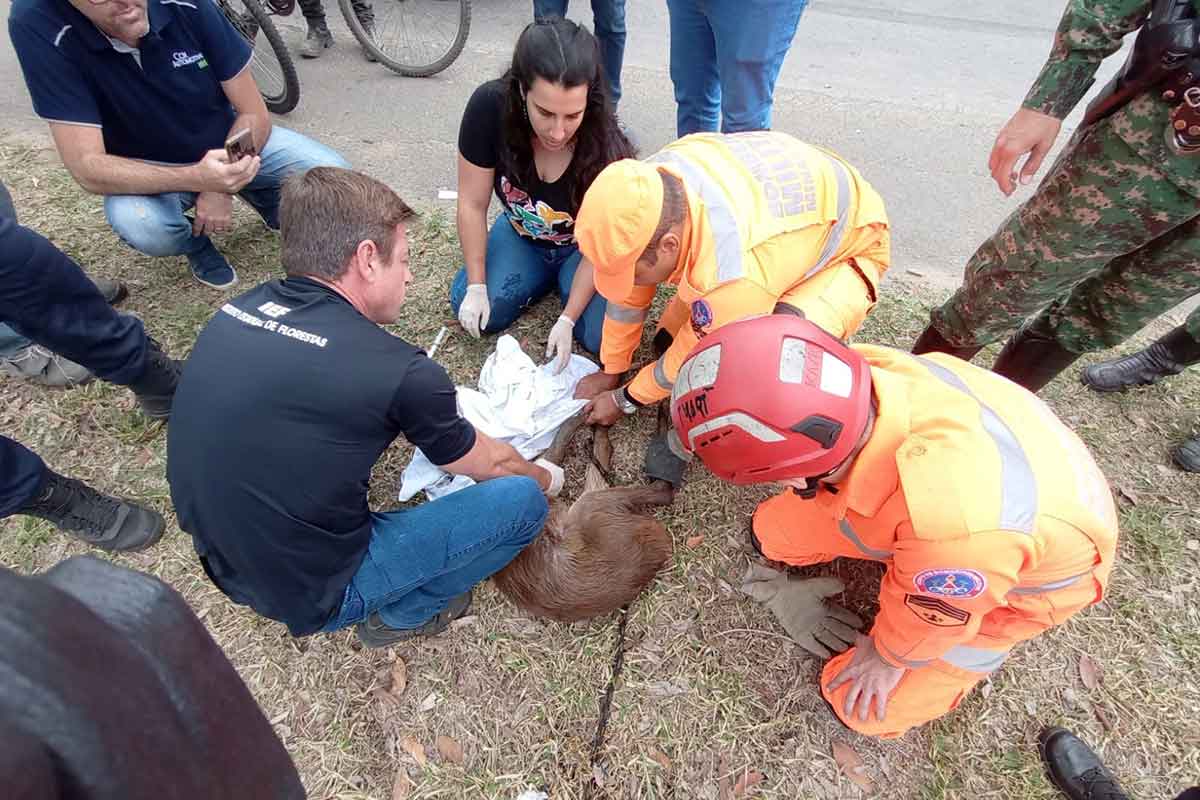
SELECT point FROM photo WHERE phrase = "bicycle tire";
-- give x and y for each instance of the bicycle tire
(288, 95)
(405, 67)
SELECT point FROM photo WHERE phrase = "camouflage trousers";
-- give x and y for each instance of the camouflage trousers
(1106, 244)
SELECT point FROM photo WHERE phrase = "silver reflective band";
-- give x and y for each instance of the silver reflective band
(975, 659)
(737, 420)
(620, 313)
(660, 375)
(839, 228)
(851, 534)
(1018, 485)
(727, 239)
(1049, 587)
(906, 662)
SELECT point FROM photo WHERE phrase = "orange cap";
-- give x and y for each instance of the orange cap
(615, 222)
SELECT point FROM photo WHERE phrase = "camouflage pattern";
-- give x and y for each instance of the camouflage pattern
(1108, 240)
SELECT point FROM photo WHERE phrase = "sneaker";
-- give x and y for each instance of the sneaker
(369, 29)
(38, 365)
(210, 268)
(374, 632)
(105, 522)
(155, 389)
(318, 40)
(113, 291)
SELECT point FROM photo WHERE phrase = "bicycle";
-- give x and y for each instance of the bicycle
(271, 65)
(417, 38)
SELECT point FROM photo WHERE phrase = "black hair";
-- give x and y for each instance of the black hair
(564, 53)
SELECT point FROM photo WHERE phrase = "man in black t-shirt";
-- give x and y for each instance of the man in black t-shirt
(289, 397)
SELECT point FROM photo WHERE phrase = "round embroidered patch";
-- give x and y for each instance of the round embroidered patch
(960, 583)
(701, 314)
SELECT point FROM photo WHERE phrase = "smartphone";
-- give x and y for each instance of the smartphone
(240, 144)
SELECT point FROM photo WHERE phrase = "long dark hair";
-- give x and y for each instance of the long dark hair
(560, 52)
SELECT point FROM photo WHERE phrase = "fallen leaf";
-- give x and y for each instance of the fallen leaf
(449, 750)
(402, 786)
(695, 541)
(415, 749)
(1102, 715)
(399, 677)
(747, 782)
(598, 775)
(429, 702)
(852, 765)
(1127, 493)
(659, 757)
(1090, 673)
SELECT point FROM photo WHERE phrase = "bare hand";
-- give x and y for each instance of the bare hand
(1029, 132)
(603, 410)
(872, 680)
(214, 213)
(594, 384)
(218, 175)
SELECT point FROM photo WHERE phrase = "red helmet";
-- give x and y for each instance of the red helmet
(771, 398)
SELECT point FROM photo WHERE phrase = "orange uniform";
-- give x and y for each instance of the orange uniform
(771, 219)
(991, 515)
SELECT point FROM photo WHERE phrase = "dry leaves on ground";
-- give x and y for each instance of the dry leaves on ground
(449, 750)
(415, 749)
(852, 766)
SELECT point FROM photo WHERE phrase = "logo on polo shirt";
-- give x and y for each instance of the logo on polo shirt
(180, 58)
(273, 310)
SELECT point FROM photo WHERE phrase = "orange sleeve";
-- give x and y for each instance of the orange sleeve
(623, 325)
(936, 593)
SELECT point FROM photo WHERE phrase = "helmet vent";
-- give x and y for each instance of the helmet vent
(822, 430)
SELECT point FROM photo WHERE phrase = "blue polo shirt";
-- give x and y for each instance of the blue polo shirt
(169, 108)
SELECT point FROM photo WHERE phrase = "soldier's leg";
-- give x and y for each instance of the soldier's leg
(1099, 201)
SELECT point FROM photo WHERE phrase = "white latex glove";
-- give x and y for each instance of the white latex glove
(475, 309)
(558, 345)
(557, 478)
(814, 624)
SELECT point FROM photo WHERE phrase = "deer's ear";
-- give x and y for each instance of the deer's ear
(593, 480)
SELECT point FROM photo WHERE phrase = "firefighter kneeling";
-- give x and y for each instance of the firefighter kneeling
(992, 517)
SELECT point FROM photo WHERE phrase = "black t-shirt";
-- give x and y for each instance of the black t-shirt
(286, 402)
(543, 212)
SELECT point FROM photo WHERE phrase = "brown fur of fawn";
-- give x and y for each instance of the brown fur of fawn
(595, 555)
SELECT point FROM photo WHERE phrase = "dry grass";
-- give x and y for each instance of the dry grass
(709, 681)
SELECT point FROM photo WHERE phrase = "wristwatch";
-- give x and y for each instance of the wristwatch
(624, 401)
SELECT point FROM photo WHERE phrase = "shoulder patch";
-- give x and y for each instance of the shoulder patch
(960, 583)
(702, 317)
(936, 612)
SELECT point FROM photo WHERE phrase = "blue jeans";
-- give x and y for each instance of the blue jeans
(609, 16)
(156, 225)
(725, 58)
(421, 557)
(519, 273)
(11, 342)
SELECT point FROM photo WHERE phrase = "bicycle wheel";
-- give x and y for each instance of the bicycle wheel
(417, 38)
(271, 63)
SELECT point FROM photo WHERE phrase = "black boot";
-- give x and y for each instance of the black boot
(318, 40)
(1187, 455)
(156, 388)
(102, 521)
(1033, 357)
(1170, 355)
(932, 341)
(1075, 769)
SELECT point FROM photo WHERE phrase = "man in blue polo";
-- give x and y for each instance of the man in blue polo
(140, 96)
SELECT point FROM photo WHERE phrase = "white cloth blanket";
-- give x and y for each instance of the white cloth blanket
(517, 401)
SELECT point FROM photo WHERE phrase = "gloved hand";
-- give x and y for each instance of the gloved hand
(558, 344)
(662, 463)
(557, 477)
(814, 624)
(475, 309)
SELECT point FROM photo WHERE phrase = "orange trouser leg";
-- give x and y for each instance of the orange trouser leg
(922, 695)
(797, 531)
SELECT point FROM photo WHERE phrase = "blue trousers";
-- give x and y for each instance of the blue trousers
(609, 17)
(156, 225)
(725, 58)
(421, 557)
(519, 273)
(11, 342)
(45, 296)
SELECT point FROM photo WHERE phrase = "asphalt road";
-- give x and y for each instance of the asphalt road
(911, 91)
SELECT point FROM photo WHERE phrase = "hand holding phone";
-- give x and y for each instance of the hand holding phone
(240, 144)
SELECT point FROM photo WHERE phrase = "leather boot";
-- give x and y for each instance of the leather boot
(932, 341)
(1187, 455)
(1075, 769)
(1170, 355)
(156, 388)
(108, 523)
(1033, 357)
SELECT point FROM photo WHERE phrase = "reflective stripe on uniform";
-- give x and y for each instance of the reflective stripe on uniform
(838, 231)
(851, 534)
(660, 375)
(1018, 485)
(911, 664)
(975, 659)
(1049, 587)
(619, 313)
(727, 239)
